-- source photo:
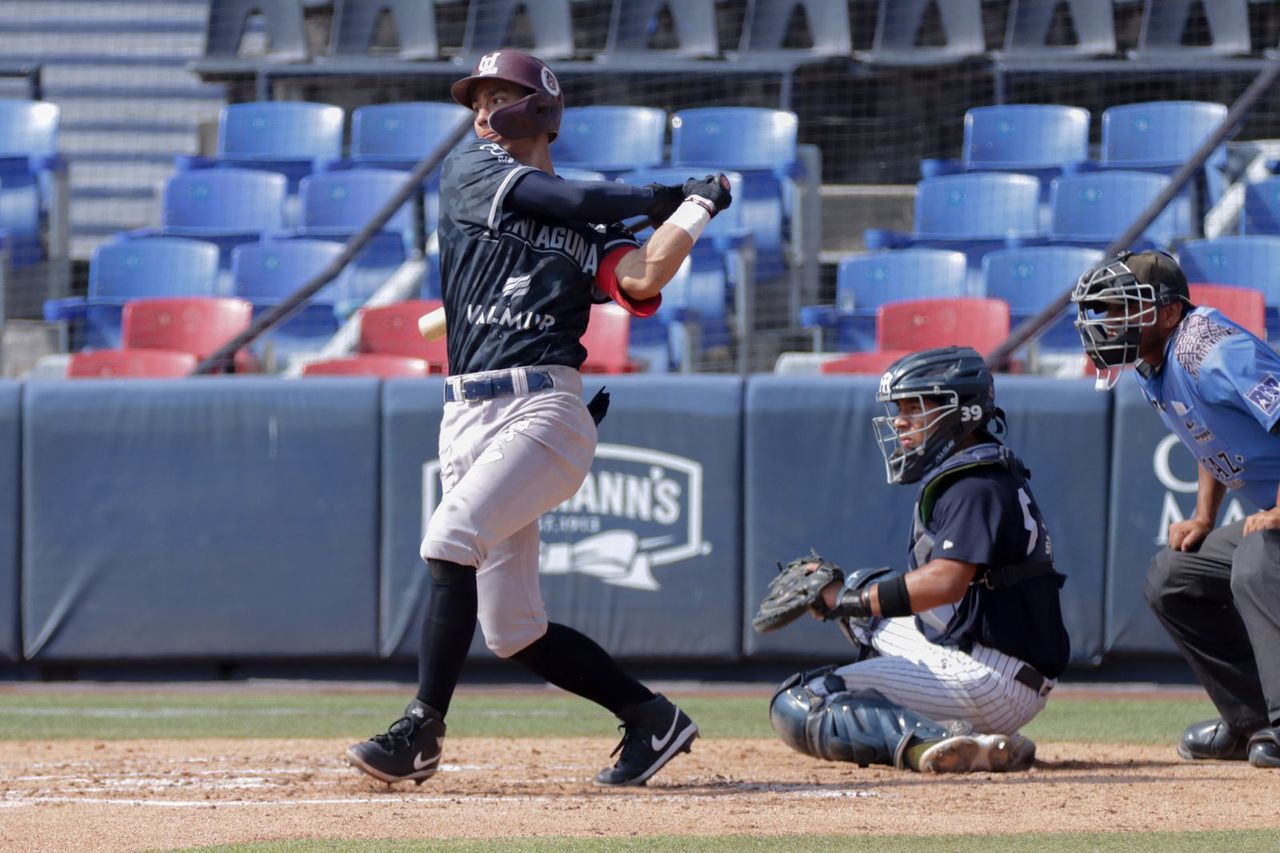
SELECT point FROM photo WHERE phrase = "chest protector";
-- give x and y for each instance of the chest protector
(1036, 564)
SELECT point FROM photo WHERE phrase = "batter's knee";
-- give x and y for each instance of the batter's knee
(448, 538)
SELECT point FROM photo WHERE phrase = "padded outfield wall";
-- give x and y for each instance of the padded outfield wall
(256, 519)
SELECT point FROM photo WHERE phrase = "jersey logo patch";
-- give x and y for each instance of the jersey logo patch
(947, 544)
(1265, 395)
(516, 286)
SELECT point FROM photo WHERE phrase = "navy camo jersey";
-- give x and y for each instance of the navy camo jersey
(517, 289)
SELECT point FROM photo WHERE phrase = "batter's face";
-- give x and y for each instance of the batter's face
(489, 95)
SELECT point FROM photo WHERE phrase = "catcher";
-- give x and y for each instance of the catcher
(961, 650)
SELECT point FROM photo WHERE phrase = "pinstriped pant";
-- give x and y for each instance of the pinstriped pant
(943, 683)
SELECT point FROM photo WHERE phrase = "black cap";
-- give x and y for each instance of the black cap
(1162, 272)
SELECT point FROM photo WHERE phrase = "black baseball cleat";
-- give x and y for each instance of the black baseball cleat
(409, 749)
(1212, 740)
(653, 733)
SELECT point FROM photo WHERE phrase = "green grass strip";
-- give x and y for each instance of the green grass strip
(1237, 841)
(103, 715)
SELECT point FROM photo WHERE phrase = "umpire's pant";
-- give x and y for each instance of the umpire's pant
(1221, 605)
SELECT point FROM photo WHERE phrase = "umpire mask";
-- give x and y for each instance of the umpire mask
(932, 400)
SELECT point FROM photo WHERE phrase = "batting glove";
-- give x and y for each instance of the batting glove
(712, 192)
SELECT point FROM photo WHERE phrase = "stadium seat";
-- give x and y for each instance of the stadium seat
(397, 136)
(1251, 261)
(760, 145)
(573, 173)
(1094, 208)
(611, 139)
(1030, 278)
(195, 324)
(1159, 136)
(130, 363)
(869, 362)
(29, 160)
(491, 24)
(134, 269)
(355, 23)
(1261, 213)
(223, 206)
(282, 20)
(1029, 27)
(267, 273)
(393, 330)
(917, 324)
(898, 30)
(633, 23)
(1025, 137)
(383, 366)
(1164, 25)
(607, 339)
(1244, 305)
(764, 31)
(864, 282)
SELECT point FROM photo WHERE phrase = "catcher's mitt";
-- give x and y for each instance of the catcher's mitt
(796, 589)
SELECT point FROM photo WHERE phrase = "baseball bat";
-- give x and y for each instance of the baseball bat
(432, 324)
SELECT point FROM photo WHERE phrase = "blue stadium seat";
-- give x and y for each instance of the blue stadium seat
(491, 24)
(571, 173)
(898, 29)
(1030, 21)
(28, 159)
(1159, 136)
(1030, 278)
(224, 206)
(1093, 208)
(1164, 23)
(1261, 207)
(764, 31)
(282, 19)
(1025, 137)
(135, 269)
(632, 24)
(611, 139)
(1242, 261)
(714, 274)
(865, 282)
(974, 213)
(335, 205)
(266, 273)
(759, 144)
(355, 23)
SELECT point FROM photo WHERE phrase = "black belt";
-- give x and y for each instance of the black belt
(497, 385)
(1030, 676)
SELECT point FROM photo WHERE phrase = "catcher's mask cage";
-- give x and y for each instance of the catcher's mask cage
(956, 396)
(537, 112)
(1114, 305)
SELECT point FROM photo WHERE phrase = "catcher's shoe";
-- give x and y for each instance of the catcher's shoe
(409, 749)
(1213, 740)
(653, 733)
(1264, 748)
(978, 753)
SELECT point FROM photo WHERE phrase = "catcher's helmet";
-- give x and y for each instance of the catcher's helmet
(538, 112)
(1120, 297)
(956, 395)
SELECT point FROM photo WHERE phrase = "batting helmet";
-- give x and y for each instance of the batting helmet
(538, 112)
(960, 390)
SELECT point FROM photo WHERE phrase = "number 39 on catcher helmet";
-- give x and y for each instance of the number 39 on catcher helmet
(955, 394)
(537, 112)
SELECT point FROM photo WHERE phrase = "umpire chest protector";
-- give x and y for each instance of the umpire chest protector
(1038, 563)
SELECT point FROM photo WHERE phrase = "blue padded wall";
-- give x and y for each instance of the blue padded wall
(815, 478)
(184, 519)
(10, 516)
(645, 559)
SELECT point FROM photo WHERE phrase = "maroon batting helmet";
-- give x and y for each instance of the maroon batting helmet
(537, 112)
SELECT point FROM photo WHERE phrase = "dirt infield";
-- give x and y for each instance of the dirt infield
(148, 794)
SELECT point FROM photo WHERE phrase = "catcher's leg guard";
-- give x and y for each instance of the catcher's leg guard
(850, 725)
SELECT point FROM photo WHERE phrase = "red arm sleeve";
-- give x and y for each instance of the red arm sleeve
(607, 281)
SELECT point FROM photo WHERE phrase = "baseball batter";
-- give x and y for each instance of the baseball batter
(1216, 387)
(960, 651)
(523, 255)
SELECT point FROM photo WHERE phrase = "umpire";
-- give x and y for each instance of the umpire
(1217, 387)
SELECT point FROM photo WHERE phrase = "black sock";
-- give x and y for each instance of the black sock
(447, 630)
(574, 662)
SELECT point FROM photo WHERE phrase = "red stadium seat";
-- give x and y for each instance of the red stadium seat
(871, 361)
(393, 330)
(130, 363)
(1243, 305)
(196, 324)
(384, 366)
(607, 338)
(916, 324)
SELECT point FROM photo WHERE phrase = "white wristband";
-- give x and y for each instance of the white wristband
(691, 216)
